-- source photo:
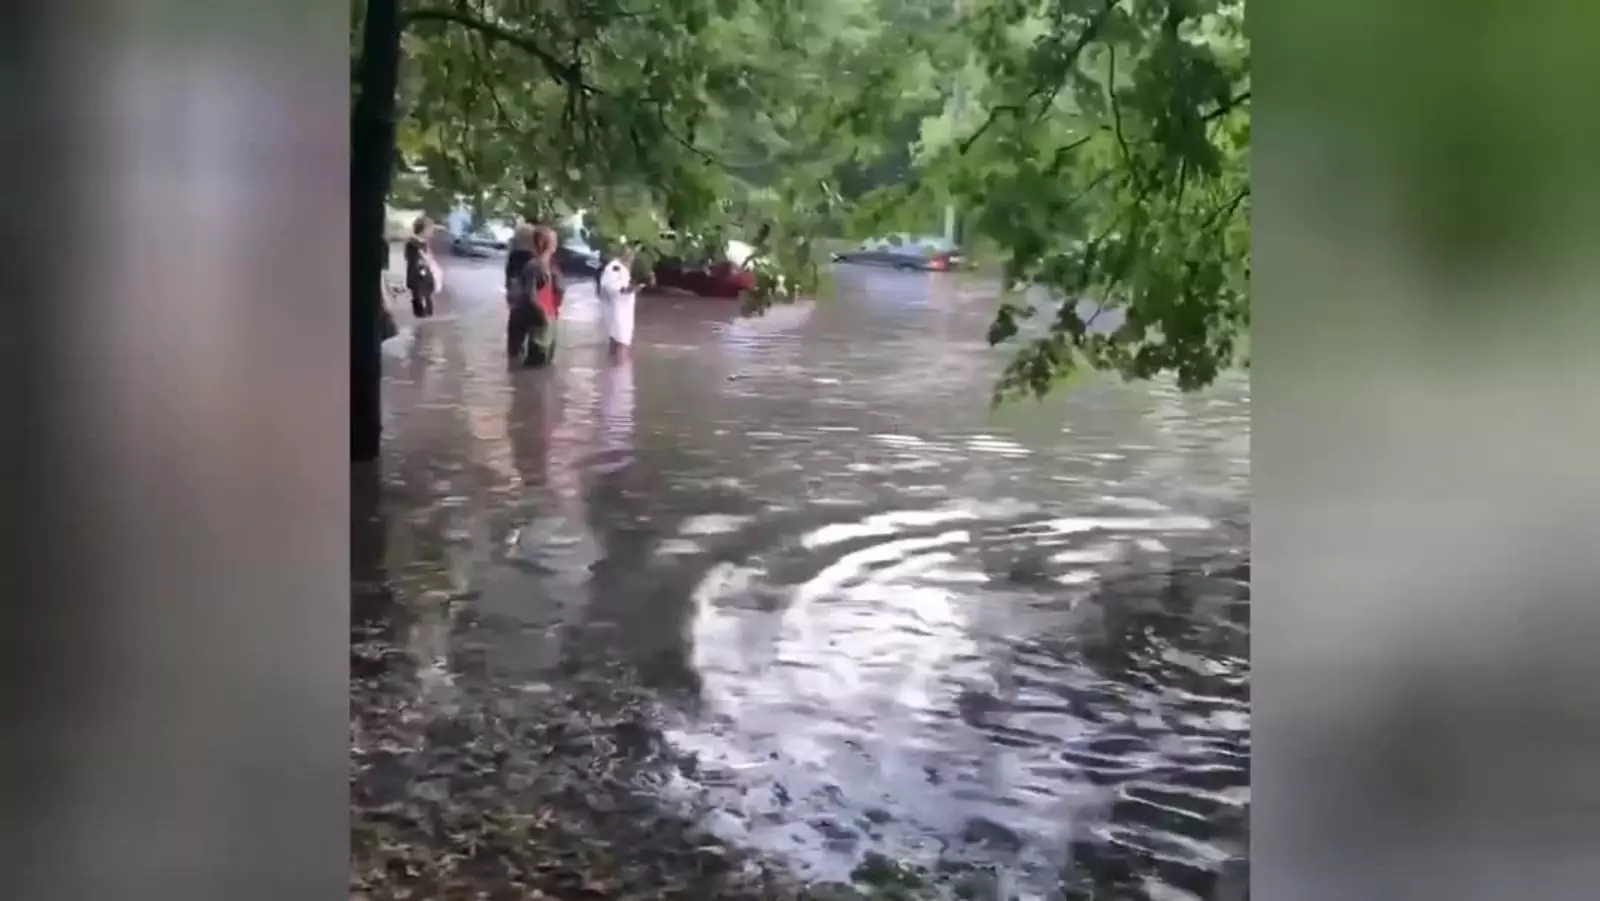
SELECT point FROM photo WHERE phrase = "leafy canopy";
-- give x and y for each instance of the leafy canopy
(1103, 147)
(688, 115)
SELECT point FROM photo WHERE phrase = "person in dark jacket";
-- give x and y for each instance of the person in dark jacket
(521, 252)
(420, 267)
(535, 304)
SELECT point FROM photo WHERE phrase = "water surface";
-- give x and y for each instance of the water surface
(883, 617)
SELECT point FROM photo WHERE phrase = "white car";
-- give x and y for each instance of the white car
(485, 240)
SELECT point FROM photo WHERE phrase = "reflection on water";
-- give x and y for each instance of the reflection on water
(975, 669)
(885, 618)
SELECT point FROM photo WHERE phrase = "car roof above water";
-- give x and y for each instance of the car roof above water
(935, 242)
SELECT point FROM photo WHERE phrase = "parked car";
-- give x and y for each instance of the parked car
(728, 277)
(576, 258)
(472, 238)
(905, 252)
(484, 241)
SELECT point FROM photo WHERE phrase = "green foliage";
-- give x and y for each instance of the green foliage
(1100, 147)
(689, 115)
(1104, 149)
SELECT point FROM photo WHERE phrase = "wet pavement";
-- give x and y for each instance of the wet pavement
(874, 615)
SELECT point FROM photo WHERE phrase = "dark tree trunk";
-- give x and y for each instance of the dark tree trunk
(372, 151)
(533, 200)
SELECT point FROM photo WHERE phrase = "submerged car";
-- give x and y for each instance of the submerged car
(905, 252)
(471, 237)
(729, 277)
(576, 253)
(486, 240)
(575, 257)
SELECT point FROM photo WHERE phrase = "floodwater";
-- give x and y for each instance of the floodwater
(883, 617)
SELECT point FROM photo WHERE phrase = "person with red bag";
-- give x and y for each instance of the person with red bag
(535, 299)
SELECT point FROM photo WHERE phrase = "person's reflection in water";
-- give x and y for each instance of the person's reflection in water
(616, 415)
(610, 467)
(420, 358)
(553, 548)
(640, 609)
(535, 408)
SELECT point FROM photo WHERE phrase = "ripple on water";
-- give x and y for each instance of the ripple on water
(989, 444)
(902, 666)
(713, 524)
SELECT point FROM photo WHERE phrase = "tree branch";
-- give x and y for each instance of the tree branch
(993, 117)
(570, 74)
(1225, 210)
(567, 73)
(686, 143)
(1228, 106)
(1116, 110)
(1094, 183)
(1059, 160)
(1090, 32)
(488, 85)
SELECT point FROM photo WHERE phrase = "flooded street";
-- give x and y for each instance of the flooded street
(880, 616)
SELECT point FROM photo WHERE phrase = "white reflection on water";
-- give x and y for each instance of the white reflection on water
(890, 660)
(616, 415)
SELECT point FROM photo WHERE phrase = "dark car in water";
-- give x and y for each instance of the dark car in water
(729, 276)
(575, 257)
(905, 252)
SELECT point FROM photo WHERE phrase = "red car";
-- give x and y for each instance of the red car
(727, 278)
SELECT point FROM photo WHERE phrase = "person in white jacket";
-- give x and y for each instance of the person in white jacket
(617, 295)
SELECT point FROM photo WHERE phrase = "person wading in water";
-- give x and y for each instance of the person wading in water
(536, 298)
(617, 295)
(420, 268)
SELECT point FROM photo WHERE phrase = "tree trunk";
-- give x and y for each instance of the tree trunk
(372, 151)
